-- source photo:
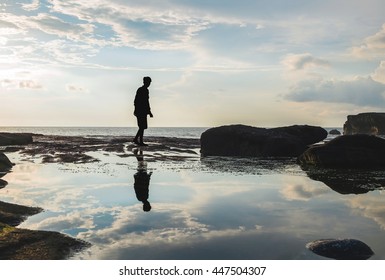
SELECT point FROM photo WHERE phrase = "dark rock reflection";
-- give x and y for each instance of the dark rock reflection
(348, 181)
(341, 249)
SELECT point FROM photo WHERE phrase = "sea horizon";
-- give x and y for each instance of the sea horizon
(118, 131)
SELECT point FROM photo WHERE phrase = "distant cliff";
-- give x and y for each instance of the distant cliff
(365, 123)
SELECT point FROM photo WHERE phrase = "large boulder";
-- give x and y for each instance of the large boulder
(242, 140)
(5, 163)
(347, 151)
(7, 139)
(365, 123)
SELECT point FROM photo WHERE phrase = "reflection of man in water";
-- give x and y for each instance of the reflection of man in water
(142, 181)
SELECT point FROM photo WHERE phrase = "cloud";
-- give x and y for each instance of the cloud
(303, 61)
(136, 25)
(75, 88)
(64, 222)
(360, 91)
(371, 207)
(55, 26)
(379, 73)
(20, 84)
(373, 46)
(34, 5)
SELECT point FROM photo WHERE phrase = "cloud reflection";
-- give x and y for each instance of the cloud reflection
(169, 226)
(372, 207)
(302, 192)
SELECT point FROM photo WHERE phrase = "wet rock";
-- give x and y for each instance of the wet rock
(365, 123)
(341, 249)
(5, 163)
(241, 140)
(23, 244)
(3, 183)
(70, 158)
(7, 139)
(347, 151)
(13, 214)
(248, 165)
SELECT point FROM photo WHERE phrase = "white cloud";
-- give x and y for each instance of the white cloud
(139, 26)
(34, 5)
(303, 61)
(379, 73)
(373, 46)
(75, 88)
(20, 84)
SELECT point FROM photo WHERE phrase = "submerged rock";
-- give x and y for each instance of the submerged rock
(341, 249)
(23, 244)
(242, 140)
(7, 139)
(365, 123)
(347, 151)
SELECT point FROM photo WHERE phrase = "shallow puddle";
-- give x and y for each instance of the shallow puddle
(211, 208)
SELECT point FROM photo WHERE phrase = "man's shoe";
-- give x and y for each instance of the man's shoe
(142, 144)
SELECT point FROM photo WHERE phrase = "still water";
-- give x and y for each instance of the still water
(213, 208)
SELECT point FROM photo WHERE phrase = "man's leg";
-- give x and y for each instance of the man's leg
(138, 137)
(141, 132)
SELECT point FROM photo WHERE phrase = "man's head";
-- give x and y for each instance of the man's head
(147, 81)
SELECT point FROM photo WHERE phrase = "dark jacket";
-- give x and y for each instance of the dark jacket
(141, 102)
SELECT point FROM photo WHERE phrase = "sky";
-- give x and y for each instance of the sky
(264, 63)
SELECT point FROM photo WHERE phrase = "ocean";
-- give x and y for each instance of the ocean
(179, 132)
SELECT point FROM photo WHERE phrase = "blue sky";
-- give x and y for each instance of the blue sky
(256, 62)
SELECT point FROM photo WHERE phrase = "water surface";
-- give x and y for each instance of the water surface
(212, 208)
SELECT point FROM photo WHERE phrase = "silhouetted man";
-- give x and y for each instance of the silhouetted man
(142, 109)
